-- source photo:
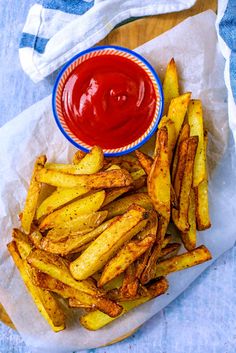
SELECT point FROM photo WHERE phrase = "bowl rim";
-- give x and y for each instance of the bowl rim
(122, 49)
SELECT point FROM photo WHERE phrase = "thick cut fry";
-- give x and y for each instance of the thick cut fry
(189, 238)
(36, 239)
(96, 319)
(144, 160)
(110, 179)
(169, 251)
(170, 84)
(149, 271)
(59, 198)
(127, 161)
(22, 241)
(45, 302)
(182, 155)
(181, 220)
(75, 303)
(113, 194)
(173, 197)
(125, 257)
(139, 183)
(45, 281)
(130, 283)
(107, 244)
(159, 177)
(32, 196)
(57, 268)
(119, 207)
(113, 167)
(184, 135)
(78, 156)
(85, 205)
(202, 206)
(195, 120)
(169, 124)
(177, 110)
(137, 174)
(77, 226)
(180, 262)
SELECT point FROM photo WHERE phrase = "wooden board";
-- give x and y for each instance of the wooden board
(131, 35)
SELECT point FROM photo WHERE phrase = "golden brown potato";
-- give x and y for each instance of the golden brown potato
(113, 194)
(189, 238)
(169, 251)
(144, 160)
(130, 283)
(184, 135)
(78, 156)
(202, 206)
(182, 155)
(170, 84)
(32, 196)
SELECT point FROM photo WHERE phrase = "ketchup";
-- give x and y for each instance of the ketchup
(108, 101)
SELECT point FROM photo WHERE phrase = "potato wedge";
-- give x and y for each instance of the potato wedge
(159, 177)
(59, 198)
(195, 119)
(96, 319)
(145, 161)
(119, 207)
(104, 304)
(78, 156)
(85, 205)
(170, 84)
(32, 196)
(202, 206)
(180, 217)
(184, 135)
(107, 179)
(127, 161)
(57, 267)
(44, 300)
(77, 226)
(177, 110)
(189, 238)
(125, 257)
(137, 174)
(180, 262)
(113, 194)
(107, 244)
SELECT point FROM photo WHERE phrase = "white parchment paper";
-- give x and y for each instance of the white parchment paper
(193, 44)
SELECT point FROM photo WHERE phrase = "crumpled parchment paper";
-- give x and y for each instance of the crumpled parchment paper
(193, 44)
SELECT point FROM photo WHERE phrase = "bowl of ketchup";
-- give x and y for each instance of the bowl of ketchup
(107, 96)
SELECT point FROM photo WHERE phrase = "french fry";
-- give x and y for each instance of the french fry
(195, 119)
(80, 225)
(96, 319)
(169, 124)
(113, 167)
(90, 164)
(100, 180)
(184, 135)
(168, 251)
(180, 217)
(137, 174)
(139, 183)
(23, 243)
(170, 84)
(182, 155)
(85, 205)
(32, 196)
(130, 283)
(119, 207)
(45, 302)
(159, 177)
(36, 239)
(127, 161)
(145, 161)
(125, 257)
(173, 197)
(180, 262)
(45, 281)
(107, 244)
(177, 110)
(113, 194)
(189, 238)
(202, 206)
(75, 303)
(59, 198)
(78, 156)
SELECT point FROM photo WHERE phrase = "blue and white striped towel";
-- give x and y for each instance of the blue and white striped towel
(56, 30)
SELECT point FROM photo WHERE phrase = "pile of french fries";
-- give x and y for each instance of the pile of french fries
(100, 240)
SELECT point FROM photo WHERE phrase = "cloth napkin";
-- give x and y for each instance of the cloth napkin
(56, 30)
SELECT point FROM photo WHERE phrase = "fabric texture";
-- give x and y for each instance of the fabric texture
(56, 30)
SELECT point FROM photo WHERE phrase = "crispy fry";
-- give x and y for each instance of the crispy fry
(138, 174)
(195, 120)
(107, 244)
(96, 320)
(139, 183)
(177, 110)
(180, 217)
(180, 262)
(159, 177)
(169, 124)
(170, 84)
(23, 243)
(113, 194)
(127, 161)
(202, 206)
(144, 160)
(189, 238)
(168, 251)
(78, 156)
(32, 196)
(182, 155)
(125, 257)
(184, 135)
(36, 238)
(173, 197)
(59, 198)
(107, 179)
(45, 302)
(119, 207)
(130, 283)
(85, 205)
